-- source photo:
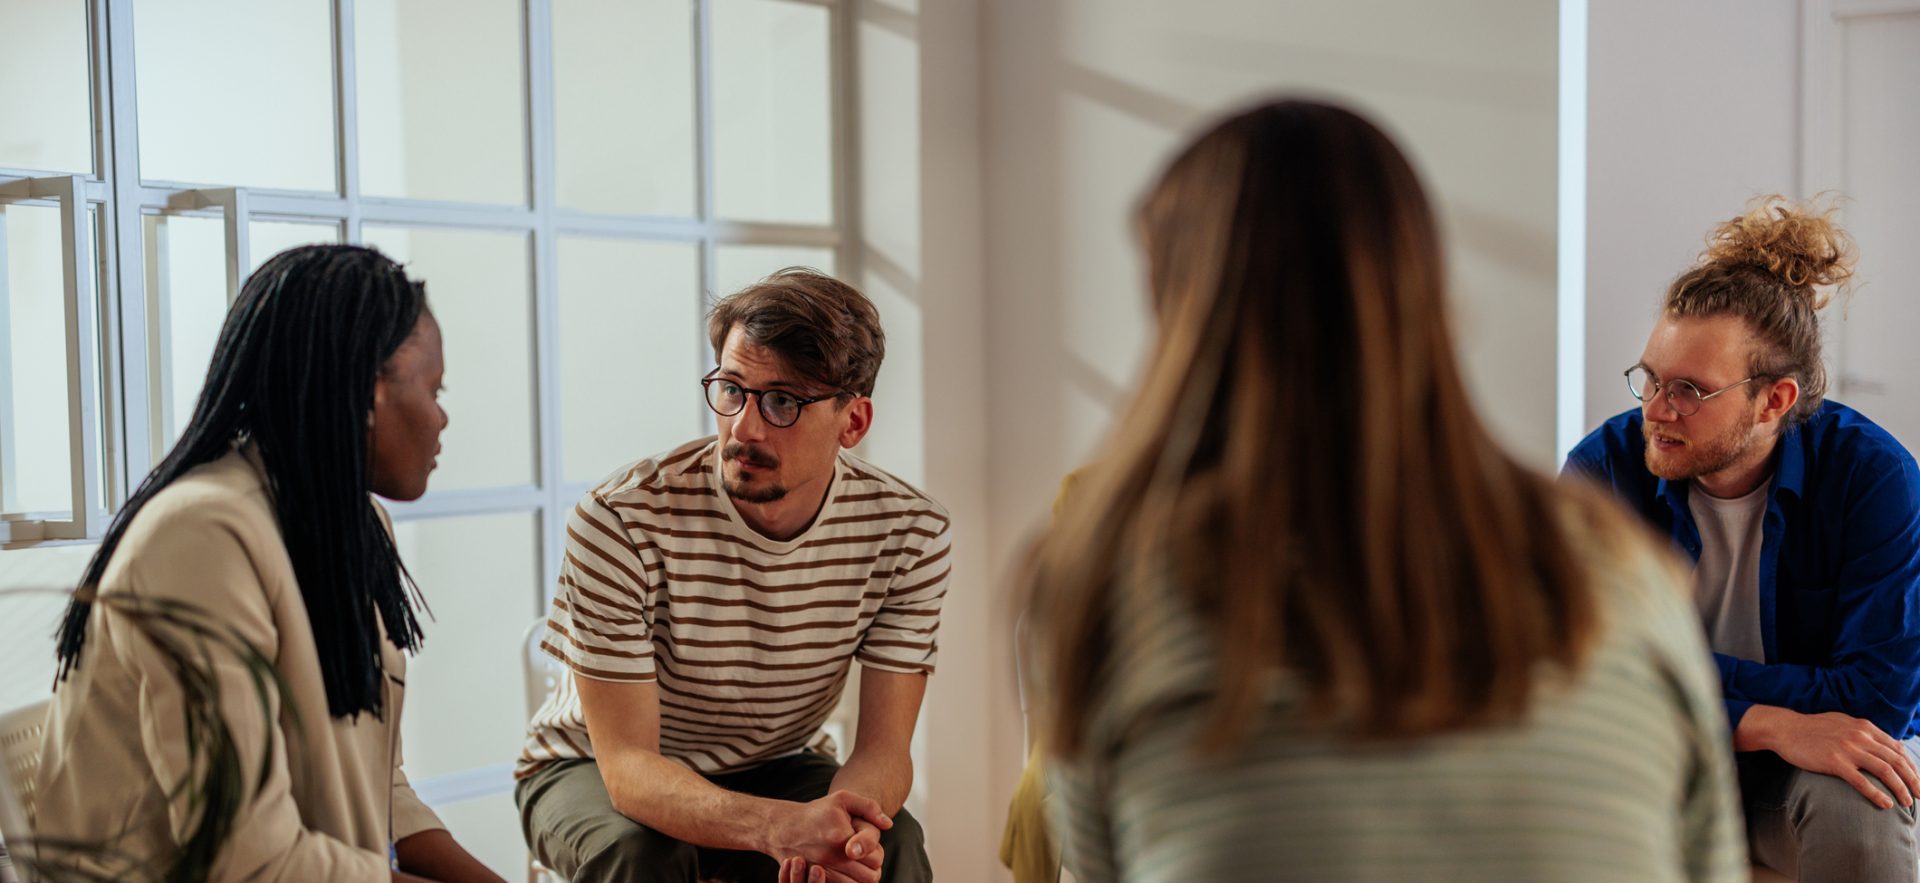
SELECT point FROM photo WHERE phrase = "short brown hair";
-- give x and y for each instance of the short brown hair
(1767, 266)
(821, 327)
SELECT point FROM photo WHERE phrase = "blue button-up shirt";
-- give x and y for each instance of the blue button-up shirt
(1839, 564)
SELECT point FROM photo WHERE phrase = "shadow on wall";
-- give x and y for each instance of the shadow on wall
(1084, 101)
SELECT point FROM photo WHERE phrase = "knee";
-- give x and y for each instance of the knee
(1827, 809)
(906, 849)
(637, 854)
(906, 832)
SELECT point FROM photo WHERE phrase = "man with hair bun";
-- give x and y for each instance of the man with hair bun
(710, 607)
(1804, 519)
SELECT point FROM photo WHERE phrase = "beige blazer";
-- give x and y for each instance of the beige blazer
(335, 798)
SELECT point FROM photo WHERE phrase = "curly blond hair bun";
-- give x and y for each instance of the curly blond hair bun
(1797, 242)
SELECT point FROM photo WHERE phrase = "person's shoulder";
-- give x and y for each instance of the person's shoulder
(1638, 584)
(1612, 444)
(228, 491)
(1836, 430)
(867, 485)
(218, 515)
(686, 469)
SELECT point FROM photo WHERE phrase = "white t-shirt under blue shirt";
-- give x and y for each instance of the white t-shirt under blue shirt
(1727, 579)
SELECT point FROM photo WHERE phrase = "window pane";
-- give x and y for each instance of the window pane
(631, 351)
(442, 109)
(772, 106)
(36, 466)
(478, 285)
(187, 296)
(268, 238)
(623, 102)
(481, 576)
(738, 266)
(45, 93)
(236, 92)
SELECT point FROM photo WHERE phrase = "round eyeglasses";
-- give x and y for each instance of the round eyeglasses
(777, 406)
(1685, 398)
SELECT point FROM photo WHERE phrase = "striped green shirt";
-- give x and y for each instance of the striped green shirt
(1622, 774)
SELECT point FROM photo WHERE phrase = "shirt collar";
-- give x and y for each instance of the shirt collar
(1790, 476)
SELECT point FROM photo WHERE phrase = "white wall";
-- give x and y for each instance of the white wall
(920, 259)
(1692, 110)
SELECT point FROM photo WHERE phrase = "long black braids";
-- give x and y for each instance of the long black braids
(293, 373)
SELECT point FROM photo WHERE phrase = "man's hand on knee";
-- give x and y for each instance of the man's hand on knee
(1837, 745)
(821, 834)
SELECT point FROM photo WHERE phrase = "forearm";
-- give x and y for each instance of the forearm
(434, 855)
(1810, 689)
(884, 777)
(1759, 728)
(678, 802)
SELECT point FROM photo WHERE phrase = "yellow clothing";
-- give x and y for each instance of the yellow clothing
(334, 798)
(1028, 847)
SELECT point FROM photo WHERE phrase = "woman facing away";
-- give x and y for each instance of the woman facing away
(1307, 621)
(323, 389)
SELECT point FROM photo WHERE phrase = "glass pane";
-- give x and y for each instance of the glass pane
(31, 607)
(45, 93)
(268, 238)
(481, 577)
(738, 266)
(623, 105)
(236, 92)
(442, 109)
(36, 466)
(478, 284)
(772, 112)
(631, 351)
(187, 296)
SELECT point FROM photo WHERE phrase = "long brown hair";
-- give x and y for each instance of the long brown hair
(1771, 266)
(1303, 458)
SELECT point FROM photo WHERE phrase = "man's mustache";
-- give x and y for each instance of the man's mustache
(753, 455)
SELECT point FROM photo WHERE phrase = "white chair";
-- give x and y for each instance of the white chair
(20, 752)
(542, 671)
(541, 676)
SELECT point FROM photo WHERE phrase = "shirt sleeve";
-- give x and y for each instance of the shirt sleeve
(1081, 817)
(903, 635)
(1875, 668)
(601, 624)
(199, 555)
(411, 815)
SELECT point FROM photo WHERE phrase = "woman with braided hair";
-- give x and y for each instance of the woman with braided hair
(323, 392)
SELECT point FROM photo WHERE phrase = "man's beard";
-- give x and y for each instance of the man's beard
(1699, 457)
(756, 457)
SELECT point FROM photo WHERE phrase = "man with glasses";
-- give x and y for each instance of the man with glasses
(1803, 519)
(710, 607)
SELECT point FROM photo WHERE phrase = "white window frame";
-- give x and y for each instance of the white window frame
(129, 381)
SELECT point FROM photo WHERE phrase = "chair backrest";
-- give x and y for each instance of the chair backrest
(20, 753)
(542, 671)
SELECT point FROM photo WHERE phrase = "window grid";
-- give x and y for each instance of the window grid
(123, 200)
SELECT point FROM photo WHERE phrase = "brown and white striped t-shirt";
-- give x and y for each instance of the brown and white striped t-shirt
(750, 640)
